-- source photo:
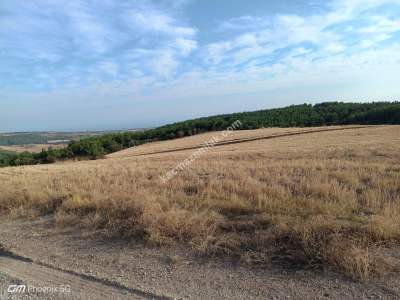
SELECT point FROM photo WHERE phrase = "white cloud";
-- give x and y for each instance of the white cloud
(185, 46)
(333, 47)
(66, 43)
(381, 24)
(165, 63)
(109, 67)
(362, 72)
(267, 36)
(217, 51)
(244, 23)
(159, 22)
(145, 51)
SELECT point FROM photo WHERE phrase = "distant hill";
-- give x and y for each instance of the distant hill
(22, 138)
(33, 138)
(305, 115)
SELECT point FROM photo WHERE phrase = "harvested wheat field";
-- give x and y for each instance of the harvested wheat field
(305, 198)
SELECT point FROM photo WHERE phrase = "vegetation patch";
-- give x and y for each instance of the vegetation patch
(5, 154)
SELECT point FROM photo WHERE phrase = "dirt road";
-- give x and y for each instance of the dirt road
(38, 255)
(69, 285)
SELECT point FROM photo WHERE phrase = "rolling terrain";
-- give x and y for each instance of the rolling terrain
(324, 201)
(305, 115)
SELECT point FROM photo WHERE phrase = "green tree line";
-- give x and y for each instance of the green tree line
(305, 115)
(4, 154)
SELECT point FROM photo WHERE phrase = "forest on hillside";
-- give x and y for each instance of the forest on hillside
(305, 115)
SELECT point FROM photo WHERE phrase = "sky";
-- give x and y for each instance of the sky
(117, 64)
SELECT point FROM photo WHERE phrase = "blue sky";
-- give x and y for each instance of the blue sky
(90, 64)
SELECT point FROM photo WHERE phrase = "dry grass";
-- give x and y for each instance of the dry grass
(200, 139)
(322, 199)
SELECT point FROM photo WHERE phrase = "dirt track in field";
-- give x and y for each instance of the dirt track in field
(244, 140)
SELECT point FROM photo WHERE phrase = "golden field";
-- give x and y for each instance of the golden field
(325, 199)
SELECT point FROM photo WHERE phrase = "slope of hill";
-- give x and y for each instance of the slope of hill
(331, 113)
(216, 139)
(326, 197)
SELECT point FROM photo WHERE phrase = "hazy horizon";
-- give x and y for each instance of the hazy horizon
(85, 65)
